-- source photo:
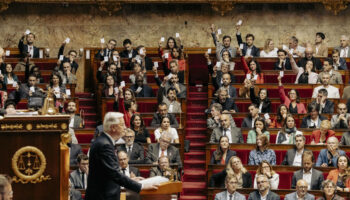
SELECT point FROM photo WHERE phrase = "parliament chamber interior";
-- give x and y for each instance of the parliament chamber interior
(216, 96)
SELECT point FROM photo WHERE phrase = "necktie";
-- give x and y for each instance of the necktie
(230, 196)
(162, 154)
(129, 151)
(107, 52)
(83, 179)
(123, 171)
(224, 132)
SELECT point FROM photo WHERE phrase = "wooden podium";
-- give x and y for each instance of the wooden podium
(34, 153)
(164, 192)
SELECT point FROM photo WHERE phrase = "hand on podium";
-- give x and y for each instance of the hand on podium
(148, 186)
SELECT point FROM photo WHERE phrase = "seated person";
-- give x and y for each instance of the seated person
(280, 118)
(293, 156)
(333, 92)
(248, 122)
(263, 191)
(340, 175)
(75, 120)
(340, 120)
(328, 157)
(163, 112)
(29, 48)
(107, 51)
(71, 57)
(8, 76)
(233, 168)
(23, 61)
(124, 166)
(258, 129)
(3, 98)
(295, 48)
(226, 84)
(140, 89)
(345, 138)
(265, 168)
(344, 47)
(262, 100)
(270, 51)
(137, 70)
(134, 151)
(314, 119)
(79, 176)
(163, 168)
(252, 68)
(312, 176)
(169, 98)
(329, 190)
(320, 48)
(128, 51)
(338, 62)
(335, 76)
(174, 68)
(244, 91)
(67, 76)
(74, 151)
(181, 90)
(9, 108)
(309, 56)
(109, 87)
(163, 148)
(223, 153)
(301, 192)
(128, 108)
(112, 70)
(35, 70)
(26, 90)
(283, 62)
(249, 49)
(217, 73)
(138, 126)
(165, 128)
(262, 152)
(56, 85)
(305, 73)
(322, 135)
(230, 192)
(142, 58)
(233, 133)
(225, 45)
(216, 112)
(289, 131)
(292, 101)
(228, 104)
(325, 105)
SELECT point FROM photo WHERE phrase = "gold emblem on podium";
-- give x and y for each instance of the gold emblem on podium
(29, 164)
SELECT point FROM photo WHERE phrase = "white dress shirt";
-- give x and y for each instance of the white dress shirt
(31, 50)
(307, 177)
(249, 51)
(297, 158)
(228, 134)
(344, 52)
(160, 152)
(333, 92)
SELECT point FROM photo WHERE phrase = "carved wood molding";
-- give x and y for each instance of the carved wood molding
(221, 6)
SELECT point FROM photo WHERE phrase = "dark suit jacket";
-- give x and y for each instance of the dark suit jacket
(75, 150)
(155, 171)
(316, 61)
(98, 55)
(157, 118)
(180, 74)
(289, 157)
(173, 154)
(23, 92)
(287, 65)
(75, 194)
(255, 51)
(137, 155)
(236, 135)
(328, 108)
(125, 53)
(228, 105)
(316, 179)
(101, 77)
(247, 122)
(145, 92)
(104, 178)
(266, 105)
(134, 170)
(307, 120)
(74, 64)
(229, 154)
(342, 64)
(218, 180)
(23, 48)
(270, 196)
(183, 89)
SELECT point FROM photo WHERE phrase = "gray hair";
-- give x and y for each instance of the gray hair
(327, 182)
(4, 181)
(110, 119)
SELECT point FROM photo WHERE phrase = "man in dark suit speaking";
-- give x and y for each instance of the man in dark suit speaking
(105, 179)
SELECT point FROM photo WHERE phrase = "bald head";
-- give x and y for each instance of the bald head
(308, 52)
(225, 121)
(302, 188)
(344, 41)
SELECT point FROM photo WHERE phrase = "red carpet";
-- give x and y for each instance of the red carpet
(87, 103)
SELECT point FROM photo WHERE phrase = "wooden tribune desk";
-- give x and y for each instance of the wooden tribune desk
(34, 153)
(164, 192)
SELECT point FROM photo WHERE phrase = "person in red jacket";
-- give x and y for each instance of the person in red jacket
(321, 136)
(293, 101)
